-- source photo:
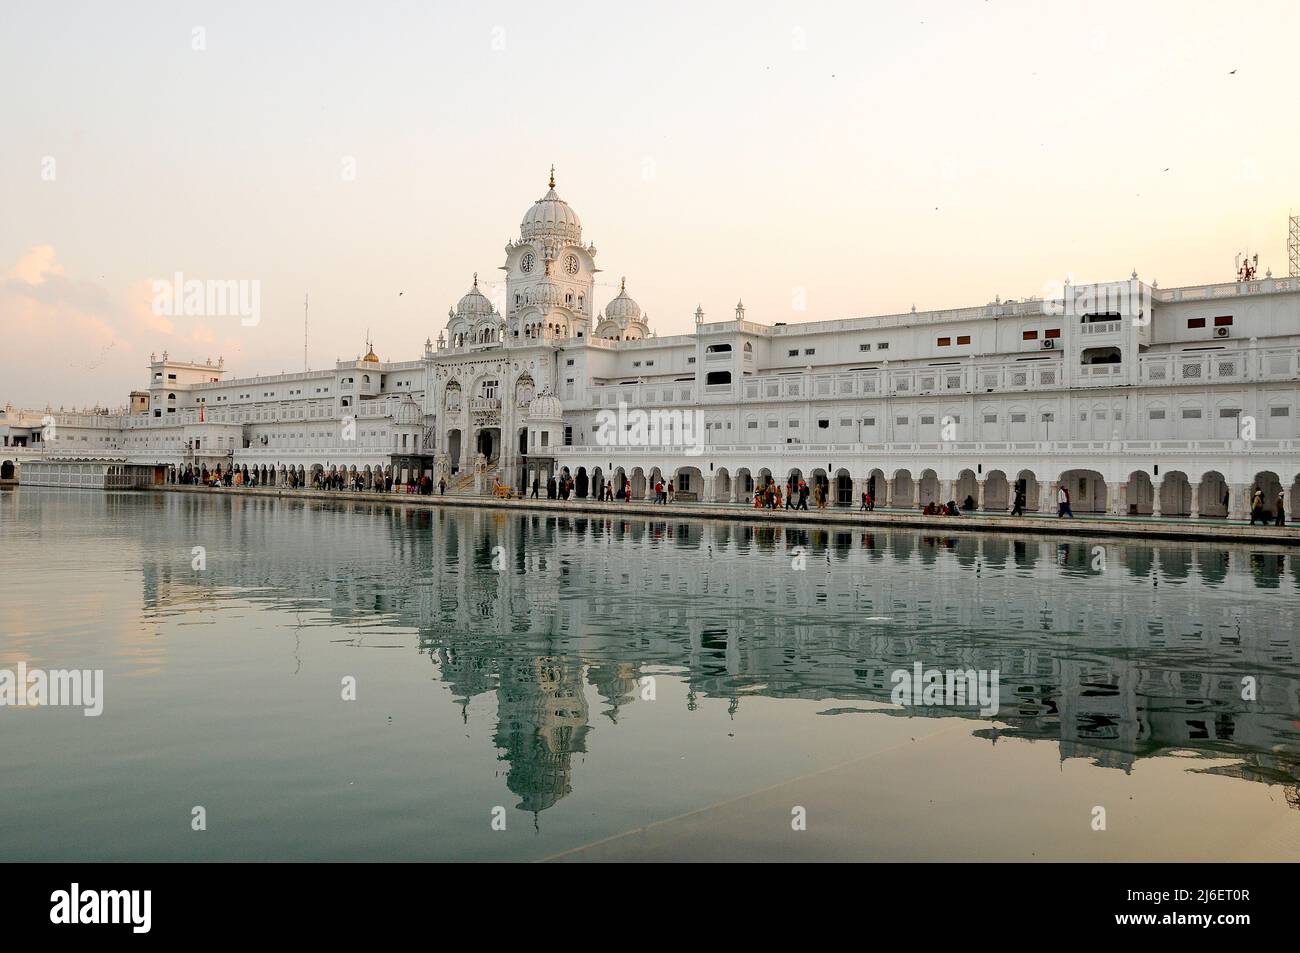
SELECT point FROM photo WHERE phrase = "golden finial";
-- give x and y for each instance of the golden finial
(476, 279)
(552, 176)
(622, 285)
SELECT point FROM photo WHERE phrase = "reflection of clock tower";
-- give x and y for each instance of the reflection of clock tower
(550, 274)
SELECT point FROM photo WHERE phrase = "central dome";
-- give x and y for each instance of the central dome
(551, 217)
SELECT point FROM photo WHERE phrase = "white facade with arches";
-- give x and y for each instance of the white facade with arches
(1162, 404)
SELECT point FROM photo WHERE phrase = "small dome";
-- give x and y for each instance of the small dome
(547, 294)
(623, 309)
(475, 304)
(372, 357)
(545, 407)
(551, 217)
(408, 412)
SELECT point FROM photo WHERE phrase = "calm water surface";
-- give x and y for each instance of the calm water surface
(502, 663)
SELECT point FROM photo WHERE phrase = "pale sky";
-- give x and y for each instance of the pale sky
(875, 155)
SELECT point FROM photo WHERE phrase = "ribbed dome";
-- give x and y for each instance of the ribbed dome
(408, 412)
(475, 304)
(623, 309)
(551, 217)
(545, 407)
(547, 294)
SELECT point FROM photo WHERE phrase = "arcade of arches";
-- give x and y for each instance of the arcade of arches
(1160, 493)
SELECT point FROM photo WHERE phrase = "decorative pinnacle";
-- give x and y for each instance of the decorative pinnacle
(622, 285)
(476, 279)
(552, 182)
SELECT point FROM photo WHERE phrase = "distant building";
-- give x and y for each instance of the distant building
(1170, 402)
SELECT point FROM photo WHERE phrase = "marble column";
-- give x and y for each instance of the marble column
(916, 493)
(888, 498)
(1115, 499)
(979, 502)
(1239, 501)
(1196, 501)
(1155, 498)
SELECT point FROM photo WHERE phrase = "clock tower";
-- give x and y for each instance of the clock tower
(550, 274)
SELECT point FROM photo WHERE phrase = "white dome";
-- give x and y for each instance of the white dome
(408, 412)
(545, 407)
(547, 294)
(551, 217)
(475, 304)
(623, 309)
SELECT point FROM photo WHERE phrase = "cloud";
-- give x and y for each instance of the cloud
(69, 340)
(32, 267)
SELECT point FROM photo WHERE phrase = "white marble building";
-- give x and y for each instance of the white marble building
(1140, 399)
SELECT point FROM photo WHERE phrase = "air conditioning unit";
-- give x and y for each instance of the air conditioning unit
(1220, 332)
(1048, 344)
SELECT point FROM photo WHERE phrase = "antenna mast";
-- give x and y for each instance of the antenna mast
(305, 368)
(1293, 246)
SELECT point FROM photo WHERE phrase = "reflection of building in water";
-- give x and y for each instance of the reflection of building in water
(1115, 650)
(541, 724)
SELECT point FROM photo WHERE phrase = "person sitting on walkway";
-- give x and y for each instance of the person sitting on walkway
(968, 504)
(951, 509)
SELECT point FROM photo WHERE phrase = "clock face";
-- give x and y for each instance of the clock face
(526, 265)
(571, 264)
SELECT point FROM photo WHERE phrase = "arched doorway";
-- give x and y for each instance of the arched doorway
(721, 486)
(1087, 491)
(1139, 495)
(1027, 484)
(997, 492)
(843, 488)
(1270, 485)
(966, 488)
(488, 443)
(1212, 493)
(901, 497)
(930, 488)
(1175, 494)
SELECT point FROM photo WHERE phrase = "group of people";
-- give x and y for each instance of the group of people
(1260, 515)
(769, 496)
(556, 488)
(1063, 509)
